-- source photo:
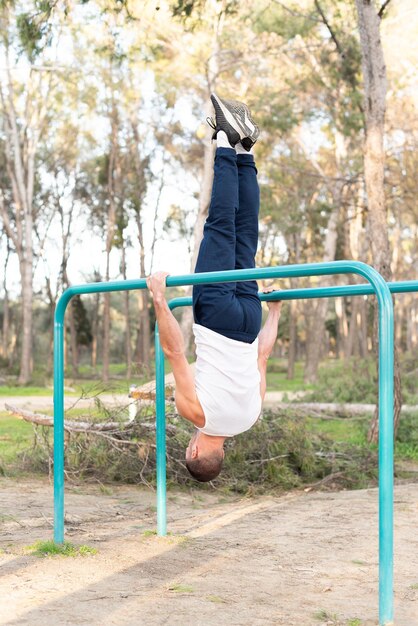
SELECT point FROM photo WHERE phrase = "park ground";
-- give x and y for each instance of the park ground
(296, 558)
(300, 559)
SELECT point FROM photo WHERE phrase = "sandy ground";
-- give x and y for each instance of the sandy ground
(244, 562)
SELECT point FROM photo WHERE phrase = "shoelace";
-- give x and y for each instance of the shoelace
(211, 122)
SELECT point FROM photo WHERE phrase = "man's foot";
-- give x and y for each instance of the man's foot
(234, 118)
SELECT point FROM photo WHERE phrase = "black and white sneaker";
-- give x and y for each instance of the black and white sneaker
(234, 118)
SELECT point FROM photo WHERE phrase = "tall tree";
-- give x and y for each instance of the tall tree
(24, 112)
(375, 88)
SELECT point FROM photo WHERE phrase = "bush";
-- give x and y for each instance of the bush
(354, 380)
(409, 376)
(279, 453)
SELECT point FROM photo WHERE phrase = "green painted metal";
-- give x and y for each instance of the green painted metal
(308, 293)
(382, 291)
(160, 437)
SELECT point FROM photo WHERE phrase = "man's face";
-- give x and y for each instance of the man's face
(199, 446)
(192, 449)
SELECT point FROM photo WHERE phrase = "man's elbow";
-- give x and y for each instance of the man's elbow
(174, 355)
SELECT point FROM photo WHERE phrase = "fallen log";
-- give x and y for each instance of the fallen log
(46, 420)
(79, 426)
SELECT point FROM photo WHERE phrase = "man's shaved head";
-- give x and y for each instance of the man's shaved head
(206, 468)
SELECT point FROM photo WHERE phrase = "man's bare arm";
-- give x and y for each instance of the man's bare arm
(267, 339)
(172, 343)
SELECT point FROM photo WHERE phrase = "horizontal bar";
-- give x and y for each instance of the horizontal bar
(406, 286)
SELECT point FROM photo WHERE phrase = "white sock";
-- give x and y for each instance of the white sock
(222, 140)
(239, 149)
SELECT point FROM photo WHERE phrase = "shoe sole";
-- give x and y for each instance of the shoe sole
(246, 129)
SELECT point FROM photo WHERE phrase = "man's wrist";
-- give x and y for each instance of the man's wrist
(159, 300)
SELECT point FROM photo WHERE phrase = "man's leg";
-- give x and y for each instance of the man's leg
(215, 306)
(246, 231)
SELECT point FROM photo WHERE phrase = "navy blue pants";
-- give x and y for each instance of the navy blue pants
(229, 241)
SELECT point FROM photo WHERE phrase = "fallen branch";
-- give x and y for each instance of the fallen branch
(332, 408)
(79, 426)
(70, 425)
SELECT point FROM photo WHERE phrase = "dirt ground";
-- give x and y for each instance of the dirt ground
(297, 560)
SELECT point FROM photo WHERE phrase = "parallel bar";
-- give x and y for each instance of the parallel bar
(160, 436)
(59, 431)
(385, 390)
(407, 286)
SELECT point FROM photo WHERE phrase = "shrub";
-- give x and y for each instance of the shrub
(280, 452)
(354, 380)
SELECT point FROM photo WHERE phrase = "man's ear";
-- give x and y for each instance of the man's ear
(195, 451)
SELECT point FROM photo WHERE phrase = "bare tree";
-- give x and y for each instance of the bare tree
(22, 131)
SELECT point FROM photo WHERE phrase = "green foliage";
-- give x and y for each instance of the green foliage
(409, 373)
(187, 8)
(353, 380)
(81, 322)
(281, 20)
(282, 451)
(50, 548)
(34, 28)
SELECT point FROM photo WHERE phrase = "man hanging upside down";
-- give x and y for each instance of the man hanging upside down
(223, 396)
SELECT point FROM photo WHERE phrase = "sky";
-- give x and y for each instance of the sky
(87, 253)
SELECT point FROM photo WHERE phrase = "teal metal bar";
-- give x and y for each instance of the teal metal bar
(308, 293)
(160, 437)
(385, 391)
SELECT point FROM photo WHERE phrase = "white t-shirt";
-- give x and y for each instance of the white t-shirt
(227, 382)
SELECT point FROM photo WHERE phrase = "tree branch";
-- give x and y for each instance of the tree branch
(382, 9)
(330, 30)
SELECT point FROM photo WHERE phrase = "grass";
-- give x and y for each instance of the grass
(50, 548)
(178, 588)
(277, 377)
(90, 383)
(342, 430)
(322, 614)
(21, 391)
(216, 599)
(15, 436)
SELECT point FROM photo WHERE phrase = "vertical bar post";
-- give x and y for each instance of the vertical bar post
(386, 442)
(160, 437)
(59, 427)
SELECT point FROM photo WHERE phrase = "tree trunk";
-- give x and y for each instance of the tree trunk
(204, 201)
(352, 344)
(106, 336)
(291, 354)
(21, 134)
(316, 336)
(6, 310)
(73, 341)
(95, 328)
(207, 172)
(128, 347)
(26, 270)
(144, 316)
(111, 225)
(143, 338)
(317, 323)
(342, 327)
(375, 86)
(364, 348)
(412, 326)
